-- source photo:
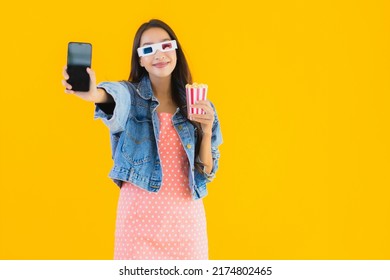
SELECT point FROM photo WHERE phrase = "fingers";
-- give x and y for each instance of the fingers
(206, 109)
(67, 86)
(195, 117)
(69, 91)
(92, 75)
(208, 117)
(202, 117)
(205, 105)
(64, 73)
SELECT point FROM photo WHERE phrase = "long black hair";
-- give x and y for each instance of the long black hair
(181, 76)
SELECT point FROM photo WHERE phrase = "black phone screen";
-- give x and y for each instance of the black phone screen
(79, 58)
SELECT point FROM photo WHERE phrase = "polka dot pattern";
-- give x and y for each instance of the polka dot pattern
(168, 224)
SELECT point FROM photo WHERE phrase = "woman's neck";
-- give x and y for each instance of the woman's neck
(162, 88)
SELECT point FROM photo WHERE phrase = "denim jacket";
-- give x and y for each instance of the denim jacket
(134, 133)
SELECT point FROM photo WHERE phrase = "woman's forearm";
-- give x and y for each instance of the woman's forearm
(102, 97)
(205, 152)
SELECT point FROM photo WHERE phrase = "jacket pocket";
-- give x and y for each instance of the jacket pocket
(138, 141)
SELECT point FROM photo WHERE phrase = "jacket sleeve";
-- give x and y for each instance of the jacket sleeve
(116, 120)
(216, 140)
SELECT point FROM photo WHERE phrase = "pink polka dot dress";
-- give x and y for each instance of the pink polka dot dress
(168, 224)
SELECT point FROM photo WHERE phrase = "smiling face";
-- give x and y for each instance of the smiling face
(160, 64)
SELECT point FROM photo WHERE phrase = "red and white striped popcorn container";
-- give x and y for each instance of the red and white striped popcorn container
(194, 93)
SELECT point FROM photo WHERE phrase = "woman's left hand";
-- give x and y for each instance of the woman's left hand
(206, 120)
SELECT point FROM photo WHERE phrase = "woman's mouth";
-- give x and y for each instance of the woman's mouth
(161, 64)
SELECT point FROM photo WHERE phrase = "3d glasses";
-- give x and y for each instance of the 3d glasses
(152, 49)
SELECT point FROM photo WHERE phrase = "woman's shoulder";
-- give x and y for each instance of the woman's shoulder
(130, 86)
(121, 87)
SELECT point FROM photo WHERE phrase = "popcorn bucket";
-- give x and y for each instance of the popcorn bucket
(194, 93)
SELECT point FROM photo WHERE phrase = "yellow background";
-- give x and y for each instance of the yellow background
(302, 91)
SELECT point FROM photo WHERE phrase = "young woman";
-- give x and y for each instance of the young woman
(163, 157)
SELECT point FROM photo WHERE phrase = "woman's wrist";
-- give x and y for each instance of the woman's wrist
(102, 96)
(207, 134)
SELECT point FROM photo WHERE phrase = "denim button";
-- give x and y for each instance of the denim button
(189, 146)
(180, 127)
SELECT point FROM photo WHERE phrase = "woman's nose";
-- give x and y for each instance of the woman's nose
(159, 55)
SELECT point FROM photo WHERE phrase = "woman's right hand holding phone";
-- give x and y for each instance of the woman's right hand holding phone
(93, 95)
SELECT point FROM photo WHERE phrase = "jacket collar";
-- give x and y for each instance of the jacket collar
(144, 88)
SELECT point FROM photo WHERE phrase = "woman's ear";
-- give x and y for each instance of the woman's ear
(140, 63)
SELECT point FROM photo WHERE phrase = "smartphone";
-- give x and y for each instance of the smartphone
(79, 58)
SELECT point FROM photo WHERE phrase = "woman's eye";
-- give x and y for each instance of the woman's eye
(148, 50)
(166, 46)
